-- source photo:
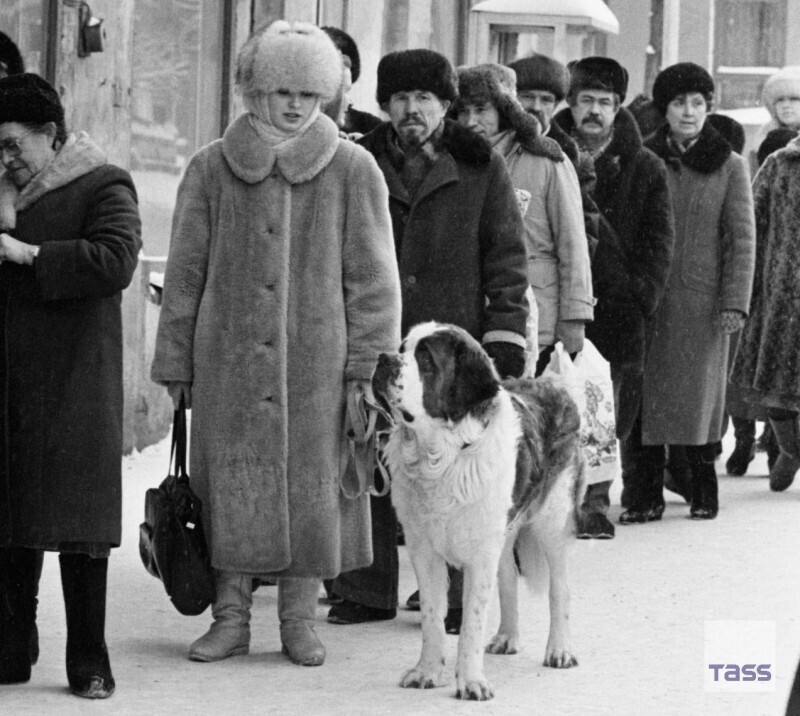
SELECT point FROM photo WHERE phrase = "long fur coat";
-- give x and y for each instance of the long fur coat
(281, 286)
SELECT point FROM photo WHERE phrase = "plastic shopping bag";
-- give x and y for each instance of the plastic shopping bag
(588, 380)
(531, 335)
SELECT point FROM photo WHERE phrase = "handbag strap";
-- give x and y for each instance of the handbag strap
(178, 450)
(362, 434)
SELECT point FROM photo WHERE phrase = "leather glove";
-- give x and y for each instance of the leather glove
(509, 358)
(571, 333)
(177, 388)
(731, 320)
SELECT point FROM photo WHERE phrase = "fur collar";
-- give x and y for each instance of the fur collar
(531, 140)
(568, 145)
(792, 149)
(251, 160)
(706, 155)
(625, 143)
(461, 143)
(79, 156)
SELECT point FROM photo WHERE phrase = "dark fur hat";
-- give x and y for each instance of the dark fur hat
(410, 70)
(600, 73)
(679, 79)
(29, 99)
(347, 46)
(11, 62)
(539, 72)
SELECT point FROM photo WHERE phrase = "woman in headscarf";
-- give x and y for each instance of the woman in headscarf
(281, 290)
(69, 241)
(706, 299)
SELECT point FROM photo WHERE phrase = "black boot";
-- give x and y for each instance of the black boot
(705, 498)
(787, 435)
(83, 580)
(647, 487)
(744, 431)
(18, 589)
(678, 476)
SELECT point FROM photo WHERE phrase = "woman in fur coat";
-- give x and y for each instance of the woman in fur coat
(281, 290)
(69, 242)
(555, 237)
(766, 363)
(707, 296)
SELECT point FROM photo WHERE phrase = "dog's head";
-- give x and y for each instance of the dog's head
(442, 373)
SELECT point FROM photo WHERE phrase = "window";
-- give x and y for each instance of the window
(26, 23)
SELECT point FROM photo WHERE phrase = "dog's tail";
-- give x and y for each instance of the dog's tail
(531, 560)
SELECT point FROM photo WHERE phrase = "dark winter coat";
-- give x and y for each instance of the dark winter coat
(631, 263)
(712, 270)
(61, 358)
(766, 366)
(281, 286)
(460, 241)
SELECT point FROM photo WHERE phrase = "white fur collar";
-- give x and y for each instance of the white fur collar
(79, 156)
(251, 159)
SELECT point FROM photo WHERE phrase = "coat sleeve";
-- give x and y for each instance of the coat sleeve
(370, 275)
(102, 261)
(739, 239)
(650, 257)
(504, 263)
(565, 212)
(762, 199)
(184, 279)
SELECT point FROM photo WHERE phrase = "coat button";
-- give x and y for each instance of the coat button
(270, 230)
(270, 287)
(411, 280)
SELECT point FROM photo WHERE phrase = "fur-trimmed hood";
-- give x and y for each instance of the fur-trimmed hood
(706, 155)
(251, 159)
(627, 140)
(79, 156)
(461, 143)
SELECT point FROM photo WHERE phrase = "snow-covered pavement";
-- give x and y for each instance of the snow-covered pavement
(639, 607)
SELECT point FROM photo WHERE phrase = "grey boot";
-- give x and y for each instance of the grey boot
(229, 635)
(297, 607)
(788, 463)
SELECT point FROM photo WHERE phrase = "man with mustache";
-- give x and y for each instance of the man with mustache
(459, 240)
(631, 263)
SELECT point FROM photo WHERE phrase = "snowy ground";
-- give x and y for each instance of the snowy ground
(638, 611)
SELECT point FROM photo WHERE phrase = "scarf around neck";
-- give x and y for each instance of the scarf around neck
(278, 140)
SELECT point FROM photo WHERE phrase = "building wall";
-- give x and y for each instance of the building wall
(629, 48)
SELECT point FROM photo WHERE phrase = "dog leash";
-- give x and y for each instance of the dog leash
(363, 435)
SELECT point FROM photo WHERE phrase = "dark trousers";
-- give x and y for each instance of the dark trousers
(375, 586)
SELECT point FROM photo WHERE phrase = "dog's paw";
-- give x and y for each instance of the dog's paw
(474, 690)
(560, 658)
(502, 644)
(420, 678)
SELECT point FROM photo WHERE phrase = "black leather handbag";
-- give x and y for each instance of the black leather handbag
(172, 544)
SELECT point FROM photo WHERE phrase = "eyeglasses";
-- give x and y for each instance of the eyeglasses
(11, 146)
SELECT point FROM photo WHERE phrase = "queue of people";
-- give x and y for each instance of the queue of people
(307, 240)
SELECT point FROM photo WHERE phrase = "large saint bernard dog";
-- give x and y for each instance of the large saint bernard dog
(486, 476)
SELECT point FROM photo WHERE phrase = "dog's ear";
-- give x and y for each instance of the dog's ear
(475, 381)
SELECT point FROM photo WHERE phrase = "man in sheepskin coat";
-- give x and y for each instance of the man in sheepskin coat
(281, 290)
(459, 242)
(631, 264)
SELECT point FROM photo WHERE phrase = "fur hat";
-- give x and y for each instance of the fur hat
(298, 57)
(539, 72)
(601, 73)
(785, 82)
(11, 62)
(347, 46)
(27, 98)
(410, 70)
(496, 85)
(679, 79)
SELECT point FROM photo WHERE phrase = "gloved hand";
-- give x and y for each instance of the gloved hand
(177, 388)
(509, 358)
(731, 320)
(571, 333)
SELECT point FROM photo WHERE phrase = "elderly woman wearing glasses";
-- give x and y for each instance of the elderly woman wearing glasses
(69, 240)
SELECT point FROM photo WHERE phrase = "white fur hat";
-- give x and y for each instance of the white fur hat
(783, 82)
(298, 57)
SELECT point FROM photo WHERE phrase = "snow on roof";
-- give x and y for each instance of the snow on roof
(591, 12)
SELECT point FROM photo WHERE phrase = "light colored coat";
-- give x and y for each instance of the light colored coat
(558, 253)
(281, 286)
(712, 270)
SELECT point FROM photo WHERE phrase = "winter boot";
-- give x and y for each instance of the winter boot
(229, 635)
(705, 498)
(787, 433)
(647, 488)
(297, 605)
(745, 450)
(18, 589)
(83, 580)
(678, 476)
